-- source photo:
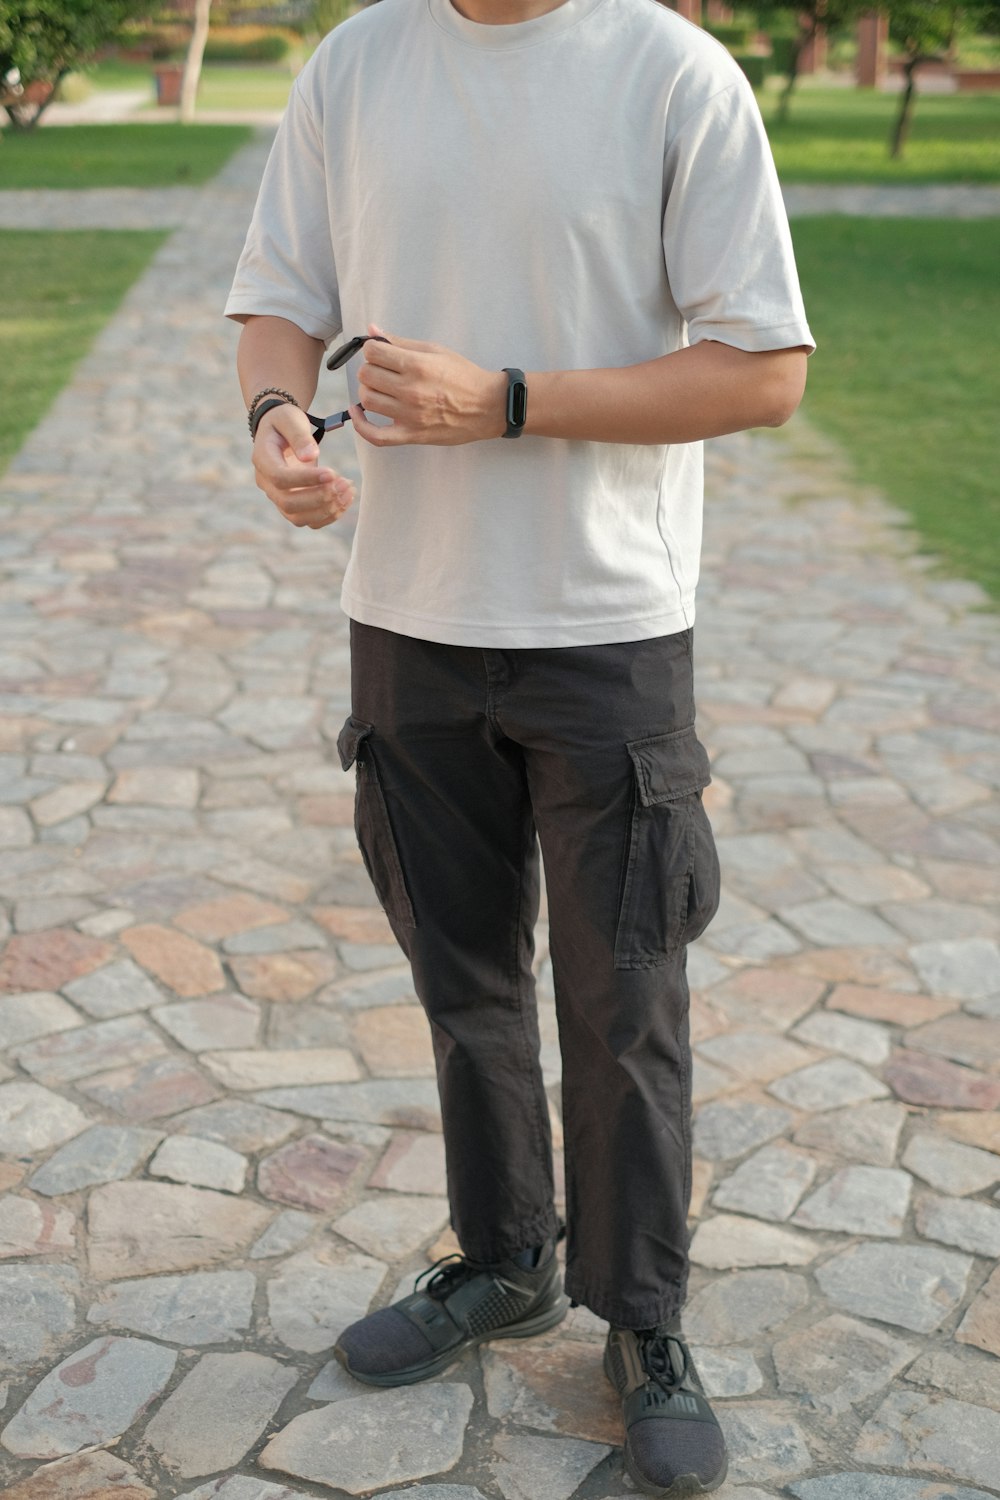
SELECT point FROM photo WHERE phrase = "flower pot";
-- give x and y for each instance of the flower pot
(168, 83)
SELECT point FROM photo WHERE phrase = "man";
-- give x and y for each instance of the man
(580, 190)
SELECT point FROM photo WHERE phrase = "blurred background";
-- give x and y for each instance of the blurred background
(885, 126)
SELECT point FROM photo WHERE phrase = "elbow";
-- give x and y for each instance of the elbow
(785, 392)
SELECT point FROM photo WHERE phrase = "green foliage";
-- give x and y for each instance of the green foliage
(59, 291)
(923, 28)
(736, 35)
(329, 13)
(904, 376)
(43, 39)
(272, 47)
(755, 66)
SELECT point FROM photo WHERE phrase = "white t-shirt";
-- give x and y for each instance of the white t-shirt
(590, 188)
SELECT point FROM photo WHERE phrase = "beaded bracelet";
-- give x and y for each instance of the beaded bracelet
(269, 390)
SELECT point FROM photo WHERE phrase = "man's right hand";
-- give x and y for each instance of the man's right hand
(286, 458)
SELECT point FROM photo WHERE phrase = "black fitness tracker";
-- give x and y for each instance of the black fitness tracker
(517, 402)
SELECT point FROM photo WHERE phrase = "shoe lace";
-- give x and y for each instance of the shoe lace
(446, 1275)
(658, 1364)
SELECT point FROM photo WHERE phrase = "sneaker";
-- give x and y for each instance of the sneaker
(674, 1446)
(463, 1304)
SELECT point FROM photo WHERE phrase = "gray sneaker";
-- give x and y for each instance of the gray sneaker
(463, 1304)
(674, 1446)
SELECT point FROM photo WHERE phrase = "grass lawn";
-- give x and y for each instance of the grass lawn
(59, 291)
(222, 86)
(841, 135)
(117, 155)
(904, 312)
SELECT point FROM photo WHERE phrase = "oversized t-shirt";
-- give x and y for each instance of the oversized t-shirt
(591, 188)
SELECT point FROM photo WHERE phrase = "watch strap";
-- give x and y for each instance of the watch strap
(266, 406)
(517, 401)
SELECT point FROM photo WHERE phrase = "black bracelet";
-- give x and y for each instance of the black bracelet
(269, 390)
(261, 411)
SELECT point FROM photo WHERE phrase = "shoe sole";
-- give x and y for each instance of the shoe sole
(527, 1328)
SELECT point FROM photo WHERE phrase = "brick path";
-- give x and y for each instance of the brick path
(217, 1110)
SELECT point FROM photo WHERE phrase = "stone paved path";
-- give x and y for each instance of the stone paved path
(217, 1116)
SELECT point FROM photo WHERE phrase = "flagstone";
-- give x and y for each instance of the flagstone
(204, 1307)
(356, 924)
(764, 1441)
(90, 1397)
(921, 1079)
(973, 1129)
(868, 1486)
(237, 1123)
(16, 829)
(67, 1055)
(839, 1362)
(773, 995)
(411, 1102)
(287, 1232)
(249, 1487)
(864, 1132)
(393, 1227)
(981, 1324)
(33, 1118)
(913, 1430)
(963, 1039)
(276, 937)
(964, 1375)
(283, 976)
(756, 1056)
(218, 1412)
(39, 1013)
(913, 1286)
(37, 1311)
(186, 1158)
(414, 1163)
(526, 1467)
(395, 1041)
(185, 965)
(137, 1228)
(767, 1184)
(742, 1305)
(966, 968)
(50, 959)
(831, 921)
(865, 1041)
(316, 1293)
(727, 1372)
(728, 1128)
(552, 1388)
(143, 1091)
(310, 1172)
(970, 1226)
(114, 990)
(225, 1020)
(950, 1166)
(270, 1067)
(225, 916)
(825, 1085)
(97, 1475)
(345, 1444)
(725, 1241)
(156, 786)
(66, 802)
(859, 1200)
(28, 1227)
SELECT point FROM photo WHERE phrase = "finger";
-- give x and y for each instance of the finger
(379, 437)
(396, 342)
(380, 378)
(384, 406)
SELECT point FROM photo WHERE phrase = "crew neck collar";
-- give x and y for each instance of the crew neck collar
(519, 34)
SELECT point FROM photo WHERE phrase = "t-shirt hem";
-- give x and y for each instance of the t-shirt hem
(241, 307)
(512, 634)
(754, 340)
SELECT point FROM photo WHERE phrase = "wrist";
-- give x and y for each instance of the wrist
(496, 404)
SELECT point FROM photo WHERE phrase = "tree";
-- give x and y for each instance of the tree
(43, 40)
(193, 60)
(925, 29)
(811, 17)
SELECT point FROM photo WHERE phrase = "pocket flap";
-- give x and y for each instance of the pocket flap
(670, 766)
(350, 739)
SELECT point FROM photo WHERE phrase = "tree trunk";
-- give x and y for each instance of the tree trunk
(901, 129)
(801, 43)
(192, 63)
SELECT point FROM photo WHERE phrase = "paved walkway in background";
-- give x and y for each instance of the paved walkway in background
(217, 1108)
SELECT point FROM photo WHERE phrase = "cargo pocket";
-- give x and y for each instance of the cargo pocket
(670, 881)
(376, 839)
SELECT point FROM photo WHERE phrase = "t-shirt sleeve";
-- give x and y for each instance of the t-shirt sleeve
(726, 241)
(287, 267)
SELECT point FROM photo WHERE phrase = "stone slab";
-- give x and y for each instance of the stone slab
(839, 1362)
(912, 1286)
(90, 1397)
(552, 1388)
(527, 1467)
(859, 1200)
(981, 1324)
(345, 1444)
(864, 1132)
(742, 1305)
(218, 1412)
(205, 1307)
(316, 1293)
(137, 1228)
(912, 1430)
(949, 1166)
(34, 1119)
(85, 1476)
(104, 1153)
(826, 1085)
(37, 1311)
(726, 1241)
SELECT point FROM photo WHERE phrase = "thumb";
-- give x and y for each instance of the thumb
(294, 427)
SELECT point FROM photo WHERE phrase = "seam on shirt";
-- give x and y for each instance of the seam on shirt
(703, 105)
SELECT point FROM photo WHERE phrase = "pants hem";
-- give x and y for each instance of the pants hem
(622, 1314)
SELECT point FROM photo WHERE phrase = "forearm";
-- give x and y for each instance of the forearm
(274, 351)
(698, 392)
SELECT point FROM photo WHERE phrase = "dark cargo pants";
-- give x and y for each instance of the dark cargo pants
(462, 754)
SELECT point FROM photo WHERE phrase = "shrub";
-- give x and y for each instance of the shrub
(754, 66)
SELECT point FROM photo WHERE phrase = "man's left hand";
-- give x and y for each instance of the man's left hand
(432, 394)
